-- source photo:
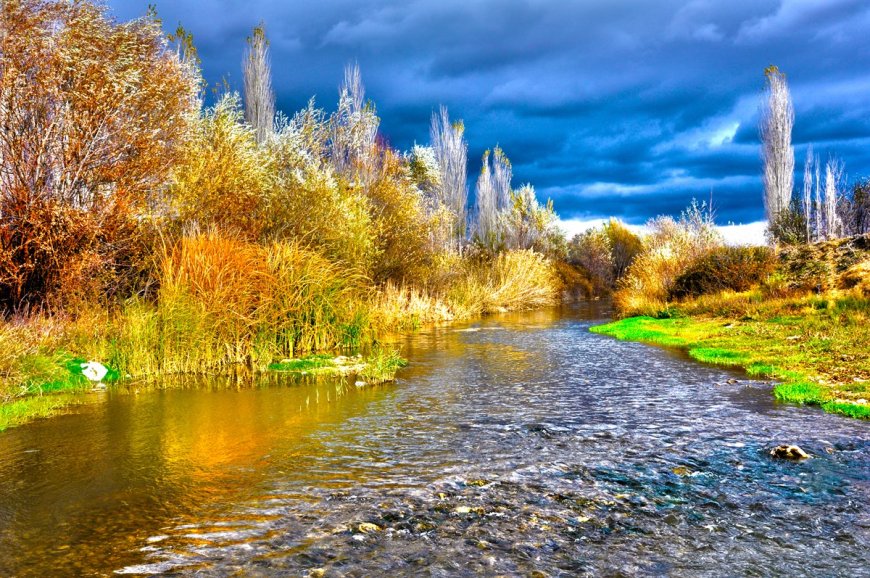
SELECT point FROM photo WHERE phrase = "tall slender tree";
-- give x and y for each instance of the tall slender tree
(486, 206)
(259, 96)
(819, 212)
(354, 129)
(807, 199)
(834, 172)
(451, 155)
(493, 198)
(777, 121)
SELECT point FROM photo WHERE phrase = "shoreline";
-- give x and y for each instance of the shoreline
(759, 347)
(377, 368)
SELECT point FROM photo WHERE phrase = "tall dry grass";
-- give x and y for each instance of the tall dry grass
(510, 281)
(513, 280)
(224, 302)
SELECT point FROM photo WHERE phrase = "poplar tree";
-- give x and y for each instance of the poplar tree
(259, 96)
(777, 121)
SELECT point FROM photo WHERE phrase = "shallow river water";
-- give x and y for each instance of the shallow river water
(517, 445)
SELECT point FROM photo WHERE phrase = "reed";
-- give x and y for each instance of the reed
(403, 308)
(224, 302)
(513, 280)
(382, 365)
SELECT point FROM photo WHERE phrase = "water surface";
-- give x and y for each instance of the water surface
(510, 446)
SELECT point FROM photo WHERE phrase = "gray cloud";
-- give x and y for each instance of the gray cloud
(613, 107)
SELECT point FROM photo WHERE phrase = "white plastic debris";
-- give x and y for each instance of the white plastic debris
(94, 371)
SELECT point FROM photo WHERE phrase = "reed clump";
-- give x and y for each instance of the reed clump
(224, 302)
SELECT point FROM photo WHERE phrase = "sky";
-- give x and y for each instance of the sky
(623, 108)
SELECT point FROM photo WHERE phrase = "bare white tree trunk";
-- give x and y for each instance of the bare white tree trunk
(259, 96)
(833, 183)
(451, 154)
(808, 193)
(819, 213)
(777, 121)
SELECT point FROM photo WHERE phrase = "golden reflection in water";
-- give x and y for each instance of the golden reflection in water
(139, 465)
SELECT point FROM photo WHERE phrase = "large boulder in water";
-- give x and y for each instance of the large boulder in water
(790, 452)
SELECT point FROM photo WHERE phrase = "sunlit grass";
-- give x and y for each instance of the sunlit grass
(27, 409)
(818, 353)
(382, 365)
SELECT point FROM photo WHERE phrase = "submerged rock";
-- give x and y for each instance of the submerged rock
(368, 528)
(789, 452)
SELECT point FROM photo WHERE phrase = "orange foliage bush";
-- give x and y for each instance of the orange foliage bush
(91, 113)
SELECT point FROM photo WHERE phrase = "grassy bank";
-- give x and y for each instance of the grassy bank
(814, 346)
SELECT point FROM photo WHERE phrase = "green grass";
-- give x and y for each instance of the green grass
(27, 409)
(303, 364)
(382, 365)
(819, 355)
(379, 367)
(718, 356)
(850, 409)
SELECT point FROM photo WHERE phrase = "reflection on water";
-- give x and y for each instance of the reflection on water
(517, 444)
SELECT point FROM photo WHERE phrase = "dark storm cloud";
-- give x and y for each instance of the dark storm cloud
(612, 107)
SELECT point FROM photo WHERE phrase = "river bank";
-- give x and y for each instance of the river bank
(216, 318)
(813, 346)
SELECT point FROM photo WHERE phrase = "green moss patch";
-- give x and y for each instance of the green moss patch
(27, 409)
(306, 364)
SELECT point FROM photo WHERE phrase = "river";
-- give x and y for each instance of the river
(521, 445)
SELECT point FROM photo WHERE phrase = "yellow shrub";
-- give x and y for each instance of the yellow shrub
(513, 280)
(224, 175)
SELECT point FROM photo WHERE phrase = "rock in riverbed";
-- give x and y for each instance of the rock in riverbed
(789, 453)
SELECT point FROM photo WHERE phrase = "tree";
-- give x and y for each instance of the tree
(860, 213)
(624, 247)
(808, 193)
(777, 120)
(527, 224)
(92, 116)
(451, 155)
(834, 176)
(354, 131)
(259, 96)
(592, 251)
(493, 198)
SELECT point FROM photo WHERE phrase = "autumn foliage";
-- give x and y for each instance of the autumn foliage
(205, 237)
(91, 115)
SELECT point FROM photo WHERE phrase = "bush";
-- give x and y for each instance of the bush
(224, 176)
(668, 251)
(401, 224)
(93, 113)
(725, 268)
(311, 201)
(605, 253)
